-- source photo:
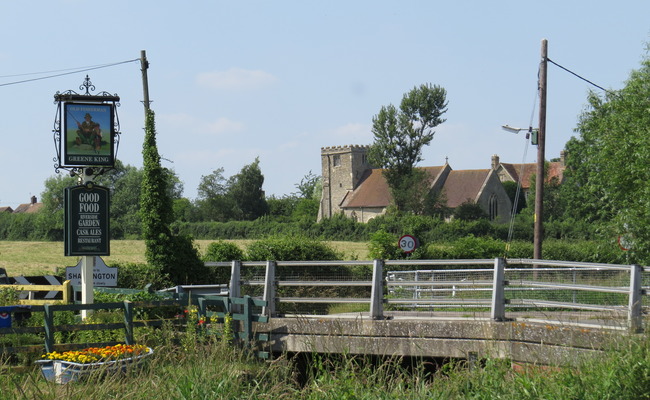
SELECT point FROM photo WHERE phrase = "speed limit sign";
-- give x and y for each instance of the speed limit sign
(407, 243)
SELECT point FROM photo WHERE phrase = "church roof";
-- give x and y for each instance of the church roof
(463, 185)
(373, 191)
(555, 170)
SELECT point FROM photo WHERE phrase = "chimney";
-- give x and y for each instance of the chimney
(495, 162)
(562, 158)
(33, 200)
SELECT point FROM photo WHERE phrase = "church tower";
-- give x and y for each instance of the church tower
(342, 170)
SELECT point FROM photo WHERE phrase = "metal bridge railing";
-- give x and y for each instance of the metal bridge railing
(587, 293)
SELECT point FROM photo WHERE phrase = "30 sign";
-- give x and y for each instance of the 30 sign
(86, 221)
(408, 243)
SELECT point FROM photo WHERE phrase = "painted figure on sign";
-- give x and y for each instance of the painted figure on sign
(89, 132)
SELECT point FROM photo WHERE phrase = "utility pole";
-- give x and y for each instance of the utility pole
(541, 144)
(144, 66)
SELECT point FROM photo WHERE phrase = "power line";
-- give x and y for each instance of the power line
(72, 71)
(578, 76)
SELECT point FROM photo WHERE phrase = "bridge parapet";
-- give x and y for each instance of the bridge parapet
(562, 293)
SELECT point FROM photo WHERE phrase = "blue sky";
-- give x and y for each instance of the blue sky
(231, 81)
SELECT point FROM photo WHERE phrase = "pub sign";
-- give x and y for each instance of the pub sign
(87, 220)
(88, 134)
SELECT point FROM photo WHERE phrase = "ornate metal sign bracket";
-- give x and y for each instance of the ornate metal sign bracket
(86, 130)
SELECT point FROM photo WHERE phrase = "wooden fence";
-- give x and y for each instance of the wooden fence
(65, 289)
(215, 308)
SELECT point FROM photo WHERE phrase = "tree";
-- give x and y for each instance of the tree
(469, 211)
(307, 188)
(214, 202)
(607, 178)
(400, 136)
(174, 256)
(247, 193)
(50, 219)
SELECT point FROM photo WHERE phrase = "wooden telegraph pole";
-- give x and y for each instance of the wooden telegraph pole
(144, 66)
(541, 144)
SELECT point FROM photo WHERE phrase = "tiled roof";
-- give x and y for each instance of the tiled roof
(28, 208)
(464, 185)
(6, 209)
(373, 191)
(555, 171)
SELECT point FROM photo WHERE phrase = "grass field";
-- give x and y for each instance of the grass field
(42, 258)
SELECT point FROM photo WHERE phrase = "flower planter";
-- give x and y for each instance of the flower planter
(62, 372)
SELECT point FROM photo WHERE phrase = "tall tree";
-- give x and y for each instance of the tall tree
(174, 256)
(246, 190)
(400, 136)
(213, 202)
(607, 176)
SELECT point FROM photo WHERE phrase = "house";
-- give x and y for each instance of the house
(31, 207)
(6, 210)
(353, 187)
(513, 172)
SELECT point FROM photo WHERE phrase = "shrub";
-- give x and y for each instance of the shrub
(291, 248)
(469, 247)
(138, 275)
(223, 251)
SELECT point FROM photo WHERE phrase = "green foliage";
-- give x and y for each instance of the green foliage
(472, 247)
(469, 247)
(137, 276)
(290, 248)
(125, 204)
(307, 188)
(175, 256)
(400, 136)
(511, 189)
(223, 251)
(24, 227)
(8, 296)
(607, 178)
(469, 211)
(383, 245)
(281, 209)
(245, 188)
(306, 210)
(338, 227)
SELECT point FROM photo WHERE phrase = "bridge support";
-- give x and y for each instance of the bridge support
(634, 312)
(498, 291)
(377, 290)
(269, 289)
(235, 283)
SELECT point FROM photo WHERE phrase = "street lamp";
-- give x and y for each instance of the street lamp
(539, 188)
(529, 132)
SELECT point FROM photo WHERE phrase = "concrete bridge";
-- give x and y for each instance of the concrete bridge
(520, 340)
(530, 311)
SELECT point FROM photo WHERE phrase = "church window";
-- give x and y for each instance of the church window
(336, 160)
(493, 207)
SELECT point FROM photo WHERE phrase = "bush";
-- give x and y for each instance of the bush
(469, 247)
(223, 251)
(291, 248)
(138, 275)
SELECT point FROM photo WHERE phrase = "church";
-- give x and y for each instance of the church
(353, 187)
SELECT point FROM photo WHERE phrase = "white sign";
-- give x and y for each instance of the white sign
(103, 275)
(407, 243)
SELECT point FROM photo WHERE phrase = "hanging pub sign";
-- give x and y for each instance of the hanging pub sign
(88, 135)
(86, 129)
(87, 221)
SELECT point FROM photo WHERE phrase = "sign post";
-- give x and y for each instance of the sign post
(87, 230)
(86, 136)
